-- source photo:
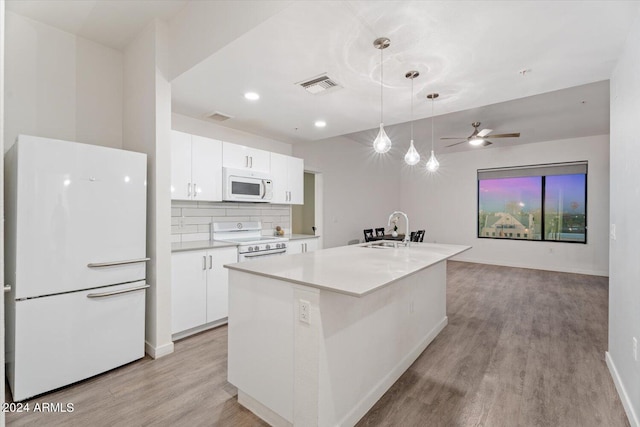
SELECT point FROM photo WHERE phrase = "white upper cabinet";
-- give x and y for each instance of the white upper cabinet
(206, 168)
(287, 174)
(196, 167)
(240, 157)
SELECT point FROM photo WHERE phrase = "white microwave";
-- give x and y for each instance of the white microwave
(246, 186)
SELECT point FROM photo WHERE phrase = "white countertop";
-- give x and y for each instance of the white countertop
(353, 270)
(199, 244)
(301, 236)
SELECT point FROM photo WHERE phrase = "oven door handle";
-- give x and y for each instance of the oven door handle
(265, 254)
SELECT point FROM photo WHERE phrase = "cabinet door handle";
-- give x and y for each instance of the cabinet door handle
(305, 247)
(204, 262)
(195, 190)
(251, 162)
(210, 262)
(189, 190)
(246, 161)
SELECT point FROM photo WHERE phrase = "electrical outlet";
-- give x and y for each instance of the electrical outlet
(612, 232)
(635, 349)
(305, 308)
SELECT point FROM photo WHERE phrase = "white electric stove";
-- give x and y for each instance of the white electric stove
(252, 245)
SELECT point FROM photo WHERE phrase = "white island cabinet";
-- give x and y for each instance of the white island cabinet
(199, 289)
(315, 339)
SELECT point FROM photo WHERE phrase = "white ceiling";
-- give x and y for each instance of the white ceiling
(470, 52)
(112, 23)
(567, 113)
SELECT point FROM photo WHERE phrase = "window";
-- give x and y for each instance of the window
(544, 202)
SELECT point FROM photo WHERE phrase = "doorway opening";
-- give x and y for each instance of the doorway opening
(307, 218)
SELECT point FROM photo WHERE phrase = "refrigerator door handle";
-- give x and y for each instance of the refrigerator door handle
(109, 264)
(7, 288)
(122, 291)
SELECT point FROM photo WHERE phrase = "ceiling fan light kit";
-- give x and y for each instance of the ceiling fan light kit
(478, 137)
(412, 157)
(382, 143)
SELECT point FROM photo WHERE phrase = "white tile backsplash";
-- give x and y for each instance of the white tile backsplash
(190, 220)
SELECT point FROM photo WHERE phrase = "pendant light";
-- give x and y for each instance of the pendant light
(412, 157)
(382, 143)
(432, 163)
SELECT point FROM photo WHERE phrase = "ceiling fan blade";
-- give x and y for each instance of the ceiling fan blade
(452, 137)
(484, 132)
(457, 143)
(486, 143)
(507, 135)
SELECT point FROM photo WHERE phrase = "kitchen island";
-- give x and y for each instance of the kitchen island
(316, 338)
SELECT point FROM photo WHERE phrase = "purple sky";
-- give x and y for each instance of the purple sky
(496, 193)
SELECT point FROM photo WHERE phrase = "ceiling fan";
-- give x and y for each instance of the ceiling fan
(479, 137)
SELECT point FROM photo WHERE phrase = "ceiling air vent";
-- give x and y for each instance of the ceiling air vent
(218, 117)
(320, 85)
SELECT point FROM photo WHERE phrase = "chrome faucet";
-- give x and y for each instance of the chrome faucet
(406, 218)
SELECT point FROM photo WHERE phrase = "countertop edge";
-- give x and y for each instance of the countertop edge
(200, 245)
(301, 236)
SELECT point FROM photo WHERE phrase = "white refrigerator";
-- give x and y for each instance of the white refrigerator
(75, 254)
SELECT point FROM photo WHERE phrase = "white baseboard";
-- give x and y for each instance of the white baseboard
(158, 352)
(198, 329)
(622, 392)
(533, 267)
(367, 402)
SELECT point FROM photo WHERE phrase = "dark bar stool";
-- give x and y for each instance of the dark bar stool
(418, 236)
(380, 232)
(368, 234)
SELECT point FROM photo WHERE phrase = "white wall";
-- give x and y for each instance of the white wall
(203, 27)
(147, 128)
(2, 50)
(360, 189)
(624, 261)
(445, 205)
(60, 86)
(211, 130)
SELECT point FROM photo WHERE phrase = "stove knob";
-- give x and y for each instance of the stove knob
(250, 249)
(268, 247)
(256, 248)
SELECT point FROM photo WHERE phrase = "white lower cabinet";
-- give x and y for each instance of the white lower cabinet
(200, 287)
(299, 246)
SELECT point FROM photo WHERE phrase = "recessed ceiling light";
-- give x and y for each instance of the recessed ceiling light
(252, 96)
(320, 123)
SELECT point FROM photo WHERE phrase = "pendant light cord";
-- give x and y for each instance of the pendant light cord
(432, 122)
(381, 80)
(412, 109)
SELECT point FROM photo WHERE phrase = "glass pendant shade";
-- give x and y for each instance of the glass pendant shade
(412, 157)
(433, 164)
(382, 143)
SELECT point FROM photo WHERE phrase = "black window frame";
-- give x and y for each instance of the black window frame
(542, 204)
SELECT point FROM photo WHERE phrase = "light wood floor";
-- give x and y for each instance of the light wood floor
(522, 348)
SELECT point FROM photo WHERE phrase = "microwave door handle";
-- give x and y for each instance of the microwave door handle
(263, 189)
